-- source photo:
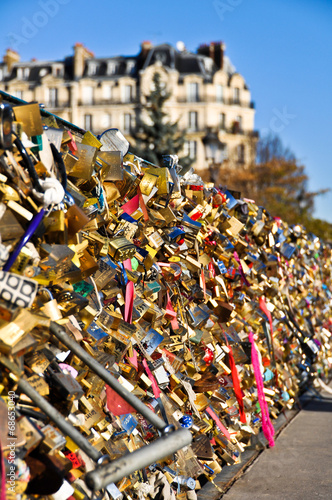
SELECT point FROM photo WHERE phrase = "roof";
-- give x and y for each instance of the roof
(183, 61)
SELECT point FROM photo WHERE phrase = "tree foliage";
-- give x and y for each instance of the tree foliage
(161, 136)
(279, 183)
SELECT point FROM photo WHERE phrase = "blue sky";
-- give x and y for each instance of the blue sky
(282, 47)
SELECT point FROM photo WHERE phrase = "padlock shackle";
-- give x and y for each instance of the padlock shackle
(97, 368)
(32, 228)
(66, 427)
(113, 472)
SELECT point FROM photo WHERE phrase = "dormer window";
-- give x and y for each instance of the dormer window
(23, 73)
(42, 72)
(111, 68)
(208, 63)
(236, 95)
(57, 71)
(92, 69)
(130, 66)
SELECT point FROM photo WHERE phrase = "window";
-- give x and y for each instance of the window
(222, 121)
(111, 68)
(107, 121)
(127, 91)
(190, 149)
(22, 73)
(130, 66)
(240, 153)
(88, 95)
(19, 94)
(193, 92)
(219, 93)
(107, 92)
(239, 123)
(53, 98)
(92, 70)
(236, 95)
(127, 125)
(192, 120)
(88, 122)
(57, 71)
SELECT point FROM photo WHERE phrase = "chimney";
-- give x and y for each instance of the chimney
(215, 50)
(81, 54)
(11, 58)
(146, 46)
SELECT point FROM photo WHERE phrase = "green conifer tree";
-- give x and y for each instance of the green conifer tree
(161, 137)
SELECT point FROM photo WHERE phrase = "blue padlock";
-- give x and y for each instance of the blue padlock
(186, 421)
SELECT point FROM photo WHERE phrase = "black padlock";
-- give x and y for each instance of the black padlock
(63, 384)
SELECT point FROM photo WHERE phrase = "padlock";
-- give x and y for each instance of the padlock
(63, 384)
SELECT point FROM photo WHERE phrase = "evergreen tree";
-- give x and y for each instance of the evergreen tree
(161, 136)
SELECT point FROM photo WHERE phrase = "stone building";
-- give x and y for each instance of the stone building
(209, 98)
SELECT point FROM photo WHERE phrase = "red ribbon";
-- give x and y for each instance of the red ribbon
(142, 204)
(236, 383)
(116, 404)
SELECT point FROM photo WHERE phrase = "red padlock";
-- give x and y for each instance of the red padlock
(208, 356)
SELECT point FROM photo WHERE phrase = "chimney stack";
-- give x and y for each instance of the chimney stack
(146, 46)
(215, 50)
(81, 54)
(11, 57)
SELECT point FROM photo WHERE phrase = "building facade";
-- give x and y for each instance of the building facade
(207, 94)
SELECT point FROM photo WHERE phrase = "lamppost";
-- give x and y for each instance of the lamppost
(214, 154)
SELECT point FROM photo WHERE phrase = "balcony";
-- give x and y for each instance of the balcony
(201, 131)
(108, 102)
(190, 100)
(57, 104)
(226, 101)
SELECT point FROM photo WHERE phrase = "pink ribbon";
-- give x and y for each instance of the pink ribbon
(267, 426)
(129, 298)
(3, 476)
(263, 307)
(171, 314)
(131, 206)
(133, 359)
(155, 387)
(244, 279)
(219, 424)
